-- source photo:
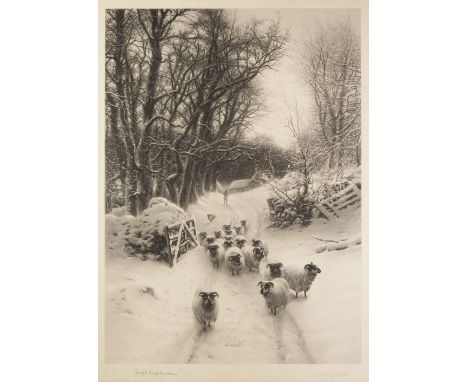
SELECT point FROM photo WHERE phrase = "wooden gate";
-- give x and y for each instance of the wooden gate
(180, 237)
(347, 199)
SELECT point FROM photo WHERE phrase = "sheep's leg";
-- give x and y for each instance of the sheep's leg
(305, 294)
(209, 324)
(274, 310)
(296, 294)
(237, 272)
(271, 310)
(232, 272)
(204, 325)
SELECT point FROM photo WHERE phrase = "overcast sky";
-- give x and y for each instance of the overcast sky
(285, 86)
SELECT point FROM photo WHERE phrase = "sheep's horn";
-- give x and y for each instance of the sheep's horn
(270, 284)
(268, 265)
(280, 264)
(214, 294)
(260, 283)
(201, 294)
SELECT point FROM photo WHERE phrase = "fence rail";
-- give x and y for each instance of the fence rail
(180, 237)
(345, 200)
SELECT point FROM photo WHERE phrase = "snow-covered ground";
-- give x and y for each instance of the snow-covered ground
(148, 305)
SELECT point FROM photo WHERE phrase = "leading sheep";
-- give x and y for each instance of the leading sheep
(205, 307)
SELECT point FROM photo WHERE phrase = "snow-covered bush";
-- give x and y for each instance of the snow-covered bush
(145, 234)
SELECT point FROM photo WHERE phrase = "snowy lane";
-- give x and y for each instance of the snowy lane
(149, 315)
(280, 332)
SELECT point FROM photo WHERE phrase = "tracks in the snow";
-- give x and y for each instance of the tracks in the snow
(288, 336)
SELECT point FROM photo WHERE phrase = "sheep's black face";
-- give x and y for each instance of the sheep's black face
(228, 243)
(213, 249)
(259, 253)
(241, 243)
(312, 269)
(218, 234)
(238, 229)
(265, 288)
(275, 269)
(208, 299)
(227, 227)
(256, 242)
(235, 259)
(210, 240)
(243, 223)
(203, 235)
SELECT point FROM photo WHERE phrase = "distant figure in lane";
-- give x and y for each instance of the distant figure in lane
(226, 195)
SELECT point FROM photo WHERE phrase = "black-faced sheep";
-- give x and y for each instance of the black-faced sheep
(253, 256)
(216, 254)
(300, 280)
(239, 230)
(205, 307)
(228, 242)
(211, 217)
(209, 240)
(240, 241)
(261, 243)
(274, 270)
(218, 234)
(275, 293)
(227, 229)
(235, 260)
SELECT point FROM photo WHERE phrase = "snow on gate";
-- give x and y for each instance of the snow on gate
(180, 237)
(346, 200)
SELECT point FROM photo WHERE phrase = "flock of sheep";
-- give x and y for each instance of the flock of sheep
(228, 248)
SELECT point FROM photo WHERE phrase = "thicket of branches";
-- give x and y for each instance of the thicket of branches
(324, 146)
(332, 69)
(180, 95)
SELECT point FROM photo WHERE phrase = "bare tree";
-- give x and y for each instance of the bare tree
(332, 67)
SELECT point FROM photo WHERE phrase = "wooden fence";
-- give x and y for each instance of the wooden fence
(345, 200)
(180, 237)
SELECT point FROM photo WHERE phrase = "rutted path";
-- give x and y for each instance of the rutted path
(284, 335)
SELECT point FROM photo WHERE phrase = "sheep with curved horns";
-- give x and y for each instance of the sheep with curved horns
(228, 242)
(261, 243)
(253, 256)
(239, 230)
(240, 241)
(275, 293)
(301, 280)
(205, 307)
(216, 254)
(274, 270)
(227, 229)
(235, 260)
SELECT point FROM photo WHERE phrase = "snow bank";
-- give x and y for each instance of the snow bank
(142, 235)
(148, 305)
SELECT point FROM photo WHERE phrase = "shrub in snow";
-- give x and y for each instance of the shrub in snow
(145, 234)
